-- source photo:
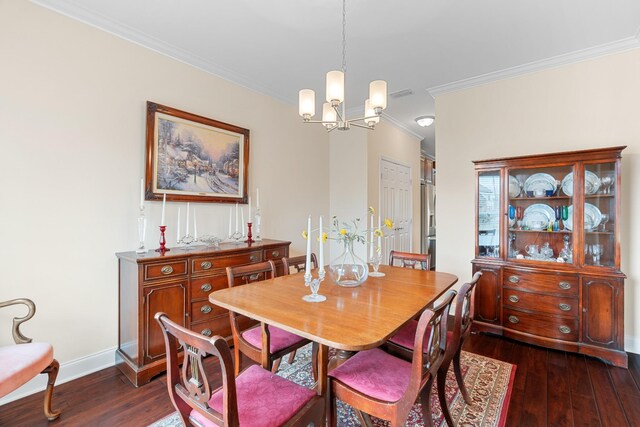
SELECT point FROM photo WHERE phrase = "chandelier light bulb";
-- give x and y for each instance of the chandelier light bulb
(371, 118)
(307, 103)
(378, 95)
(328, 115)
(335, 87)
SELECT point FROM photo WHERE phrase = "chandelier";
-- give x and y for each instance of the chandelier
(334, 110)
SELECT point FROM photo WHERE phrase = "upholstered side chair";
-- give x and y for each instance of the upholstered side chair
(25, 359)
(255, 397)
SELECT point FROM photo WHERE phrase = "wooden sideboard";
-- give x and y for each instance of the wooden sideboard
(177, 283)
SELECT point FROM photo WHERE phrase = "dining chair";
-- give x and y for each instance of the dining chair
(252, 338)
(408, 259)
(256, 397)
(298, 262)
(402, 343)
(385, 386)
(25, 359)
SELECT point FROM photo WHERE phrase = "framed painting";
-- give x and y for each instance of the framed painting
(194, 158)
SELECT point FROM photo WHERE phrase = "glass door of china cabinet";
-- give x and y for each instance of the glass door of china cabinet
(488, 211)
(540, 214)
(600, 202)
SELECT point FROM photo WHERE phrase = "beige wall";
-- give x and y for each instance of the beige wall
(72, 129)
(394, 144)
(584, 105)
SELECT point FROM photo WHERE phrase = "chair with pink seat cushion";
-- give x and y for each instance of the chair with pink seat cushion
(24, 360)
(385, 386)
(247, 336)
(256, 397)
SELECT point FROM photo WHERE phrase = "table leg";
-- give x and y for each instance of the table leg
(339, 358)
(322, 383)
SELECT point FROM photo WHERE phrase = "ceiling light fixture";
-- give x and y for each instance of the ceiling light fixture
(425, 121)
(334, 117)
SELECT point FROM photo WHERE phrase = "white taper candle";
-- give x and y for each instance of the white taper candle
(195, 225)
(178, 228)
(307, 269)
(186, 233)
(164, 203)
(320, 249)
(141, 193)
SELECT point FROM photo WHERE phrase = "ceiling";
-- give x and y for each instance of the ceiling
(278, 47)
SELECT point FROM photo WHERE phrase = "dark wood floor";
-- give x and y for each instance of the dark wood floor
(552, 388)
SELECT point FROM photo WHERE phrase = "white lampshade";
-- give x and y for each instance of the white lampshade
(307, 102)
(370, 113)
(378, 94)
(328, 114)
(335, 86)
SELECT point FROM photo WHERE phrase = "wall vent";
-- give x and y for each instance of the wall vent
(401, 93)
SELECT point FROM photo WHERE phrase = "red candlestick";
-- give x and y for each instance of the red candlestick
(249, 239)
(163, 241)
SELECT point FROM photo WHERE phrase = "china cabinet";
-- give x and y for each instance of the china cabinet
(178, 283)
(548, 244)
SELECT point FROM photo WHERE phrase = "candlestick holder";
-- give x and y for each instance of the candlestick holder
(257, 225)
(236, 237)
(249, 239)
(142, 231)
(187, 240)
(314, 284)
(375, 263)
(162, 249)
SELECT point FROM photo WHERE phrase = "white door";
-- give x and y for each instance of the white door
(396, 203)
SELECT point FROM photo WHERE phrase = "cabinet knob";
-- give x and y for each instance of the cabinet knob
(205, 309)
(253, 258)
(206, 332)
(206, 287)
(514, 298)
(275, 254)
(514, 279)
(564, 329)
(514, 319)
(564, 285)
(205, 265)
(167, 269)
(564, 307)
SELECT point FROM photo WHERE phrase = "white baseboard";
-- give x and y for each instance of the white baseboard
(68, 371)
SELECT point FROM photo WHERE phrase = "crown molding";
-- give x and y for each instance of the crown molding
(553, 62)
(140, 38)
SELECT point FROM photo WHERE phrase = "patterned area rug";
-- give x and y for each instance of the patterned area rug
(488, 381)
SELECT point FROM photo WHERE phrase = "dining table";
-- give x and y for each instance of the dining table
(351, 319)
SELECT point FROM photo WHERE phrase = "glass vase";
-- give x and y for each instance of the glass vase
(348, 269)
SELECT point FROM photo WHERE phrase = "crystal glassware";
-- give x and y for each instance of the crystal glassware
(519, 216)
(375, 263)
(142, 231)
(596, 251)
(603, 222)
(314, 285)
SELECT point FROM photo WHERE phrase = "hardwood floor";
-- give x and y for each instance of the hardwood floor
(552, 388)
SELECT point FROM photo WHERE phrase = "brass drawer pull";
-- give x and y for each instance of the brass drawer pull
(254, 276)
(205, 309)
(514, 279)
(206, 287)
(167, 269)
(564, 307)
(206, 332)
(275, 254)
(253, 258)
(564, 285)
(514, 319)
(205, 265)
(514, 298)
(564, 329)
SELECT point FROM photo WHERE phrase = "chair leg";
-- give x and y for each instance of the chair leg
(425, 401)
(276, 365)
(314, 361)
(238, 360)
(52, 372)
(459, 380)
(442, 380)
(292, 357)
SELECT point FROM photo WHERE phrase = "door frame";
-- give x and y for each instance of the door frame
(399, 163)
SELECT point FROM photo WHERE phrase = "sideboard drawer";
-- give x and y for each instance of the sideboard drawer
(550, 304)
(217, 326)
(561, 284)
(203, 286)
(203, 310)
(206, 264)
(562, 328)
(275, 253)
(165, 269)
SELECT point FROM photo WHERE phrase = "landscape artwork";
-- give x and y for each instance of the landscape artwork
(195, 158)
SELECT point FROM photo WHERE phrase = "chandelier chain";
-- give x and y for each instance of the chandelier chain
(344, 36)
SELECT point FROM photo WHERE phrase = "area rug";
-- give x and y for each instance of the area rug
(488, 381)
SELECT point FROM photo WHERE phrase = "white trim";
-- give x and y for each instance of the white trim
(359, 111)
(68, 371)
(78, 13)
(556, 61)
(631, 344)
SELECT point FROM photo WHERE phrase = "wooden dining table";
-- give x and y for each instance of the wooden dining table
(351, 319)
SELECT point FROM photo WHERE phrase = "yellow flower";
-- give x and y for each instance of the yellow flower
(304, 235)
(372, 211)
(388, 223)
(343, 231)
(324, 237)
(378, 233)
